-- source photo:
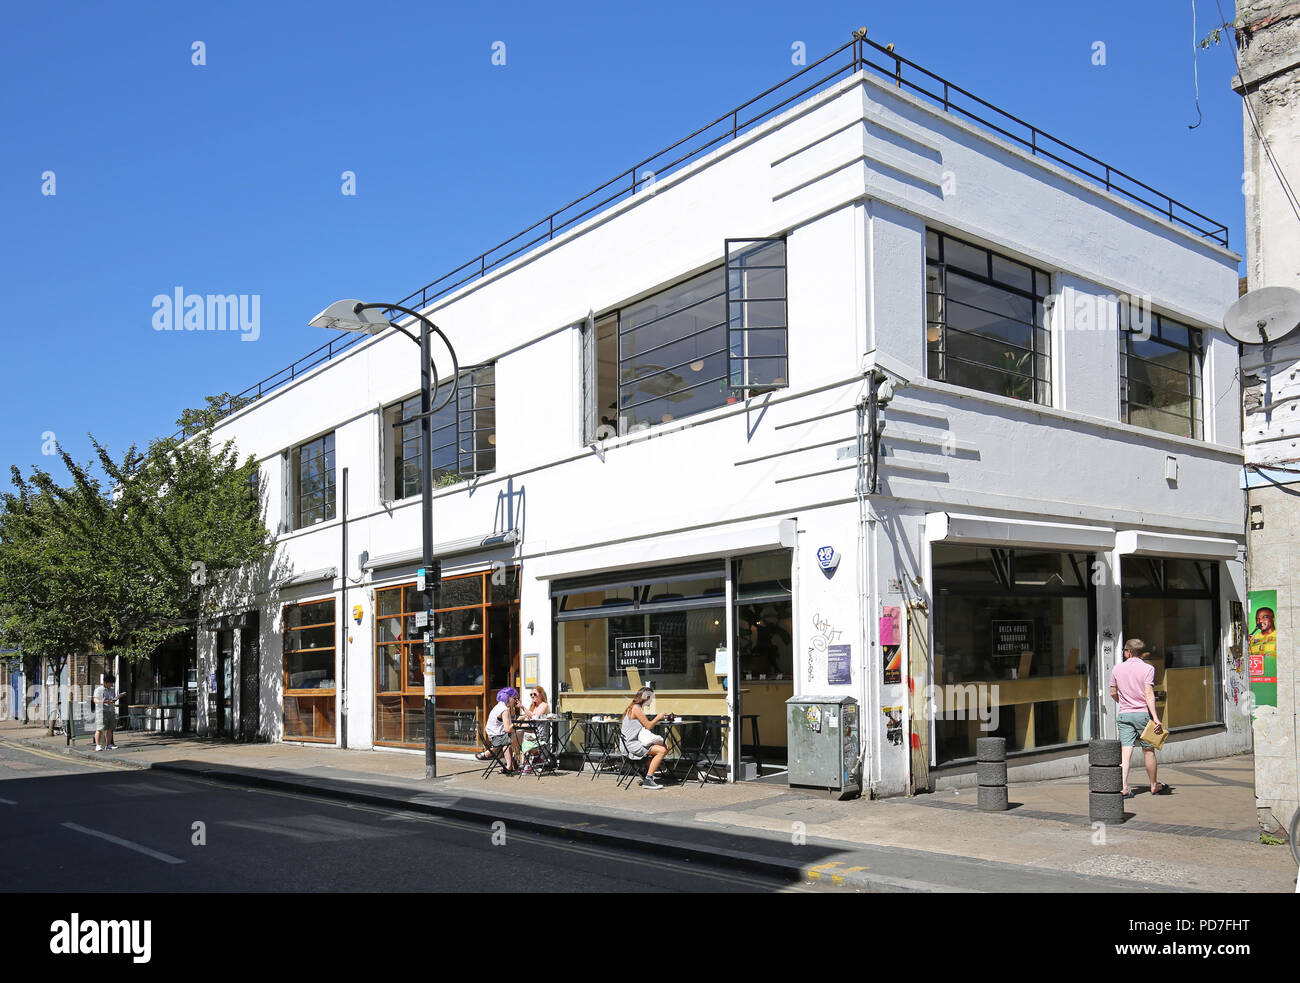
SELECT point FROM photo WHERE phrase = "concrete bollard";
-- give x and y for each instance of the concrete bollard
(1105, 782)
(991, 772)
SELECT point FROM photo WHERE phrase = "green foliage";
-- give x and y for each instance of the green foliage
(121, 566)
(1216, 35)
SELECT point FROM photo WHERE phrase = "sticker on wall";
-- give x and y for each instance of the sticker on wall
(893, 663)
(813, 717)
(839, 665)
(893, 725)
(1263, 647)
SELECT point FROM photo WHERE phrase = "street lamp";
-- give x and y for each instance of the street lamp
(353, 315)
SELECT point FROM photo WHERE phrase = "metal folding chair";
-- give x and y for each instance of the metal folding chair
(632, 765)
(496, 754)
(700, 757)
(548, 760)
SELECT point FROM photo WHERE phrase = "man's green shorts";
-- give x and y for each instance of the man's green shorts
(1131, 726)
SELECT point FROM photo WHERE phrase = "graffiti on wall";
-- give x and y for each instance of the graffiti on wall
(824, 635)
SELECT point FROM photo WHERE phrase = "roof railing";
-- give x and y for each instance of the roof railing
(859, 54)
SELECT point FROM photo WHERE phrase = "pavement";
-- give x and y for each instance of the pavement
(1202, 838)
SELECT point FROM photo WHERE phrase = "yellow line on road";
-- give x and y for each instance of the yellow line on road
(59, 756)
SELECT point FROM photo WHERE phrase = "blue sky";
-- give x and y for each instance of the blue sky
(225, 178)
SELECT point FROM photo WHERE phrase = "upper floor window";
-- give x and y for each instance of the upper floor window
(699, 344)
(464, 436)
(986, 321)
(1160, 374)
(313, 481)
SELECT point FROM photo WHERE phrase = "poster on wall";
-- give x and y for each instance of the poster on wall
(1262, 621)
(893, 725)
(839, 665)
(893, 663)
(891, 626)
(637, 652)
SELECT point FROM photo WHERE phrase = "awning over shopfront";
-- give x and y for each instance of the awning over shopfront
(455, 547)
(230, 620)
(953, 527)
(309, 577)
(736, 540)
(1137, 543)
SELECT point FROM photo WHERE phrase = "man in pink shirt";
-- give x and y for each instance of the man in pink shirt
(1131, 686)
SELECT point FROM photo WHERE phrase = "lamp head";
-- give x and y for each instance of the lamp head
(351, 315)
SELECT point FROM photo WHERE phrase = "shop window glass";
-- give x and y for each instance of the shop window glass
(309, 685)
(1172, 605)
(665, 627)
(1012, 658)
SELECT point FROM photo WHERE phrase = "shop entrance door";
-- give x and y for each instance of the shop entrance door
(250, 666)
(764, 671)
(225, 683)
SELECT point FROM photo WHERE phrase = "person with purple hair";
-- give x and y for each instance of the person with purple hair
(500, 728)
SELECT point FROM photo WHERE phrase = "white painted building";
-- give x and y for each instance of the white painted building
(1031, 508)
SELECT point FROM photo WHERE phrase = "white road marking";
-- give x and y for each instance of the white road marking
(165, 858)
(7, 802)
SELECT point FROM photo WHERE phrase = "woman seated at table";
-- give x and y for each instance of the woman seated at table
(537, 708)
(636, 729)
(500, 727)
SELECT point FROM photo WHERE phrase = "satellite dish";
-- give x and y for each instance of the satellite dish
(1265, 315)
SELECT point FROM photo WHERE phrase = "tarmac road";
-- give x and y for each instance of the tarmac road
(89, 827)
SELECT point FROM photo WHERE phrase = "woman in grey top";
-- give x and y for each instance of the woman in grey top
(634, 719)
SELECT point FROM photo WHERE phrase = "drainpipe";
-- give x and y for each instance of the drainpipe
(343, 612)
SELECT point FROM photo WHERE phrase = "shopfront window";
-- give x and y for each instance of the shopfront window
(1013, 652)
(476, 629)
(309, 688)
(665, 626)
(1172, 605)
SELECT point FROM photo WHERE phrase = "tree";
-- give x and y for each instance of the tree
(122, 566)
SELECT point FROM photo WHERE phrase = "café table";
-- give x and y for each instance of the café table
(548, 747)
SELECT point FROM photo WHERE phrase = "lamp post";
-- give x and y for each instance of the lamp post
(353, 315)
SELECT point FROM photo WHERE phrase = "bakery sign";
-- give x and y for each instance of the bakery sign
(637, 652)
(1012, 637)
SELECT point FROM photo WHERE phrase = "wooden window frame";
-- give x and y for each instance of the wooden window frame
(298, 694)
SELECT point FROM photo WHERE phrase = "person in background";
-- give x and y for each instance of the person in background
(1131, 685)
(103, 702)
(634, 721)
(500, 727)
(538, 707)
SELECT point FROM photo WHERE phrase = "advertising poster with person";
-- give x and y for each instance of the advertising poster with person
(1263, 647)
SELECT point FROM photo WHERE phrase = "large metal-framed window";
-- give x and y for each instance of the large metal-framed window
(702, 343)
(1160, 374)
(757, 321)
(313, 481)
(986, 321)
(464, 435)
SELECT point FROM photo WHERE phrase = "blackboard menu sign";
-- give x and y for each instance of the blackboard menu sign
(637, 652)
(1012, 637)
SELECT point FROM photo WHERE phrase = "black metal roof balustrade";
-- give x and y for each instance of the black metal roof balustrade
(859, 54)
